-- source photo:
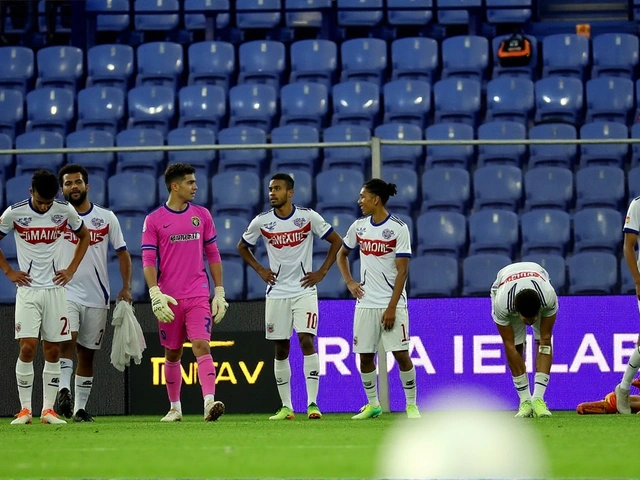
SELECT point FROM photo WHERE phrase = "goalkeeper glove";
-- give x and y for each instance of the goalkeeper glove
(160, 305)
(218, 305)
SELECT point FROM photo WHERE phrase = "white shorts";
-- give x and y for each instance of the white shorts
(368, 331)
(283, 315)
(42, 311)
(89, 322)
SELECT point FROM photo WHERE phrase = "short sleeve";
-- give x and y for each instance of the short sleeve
(115, 233)
(403, 242)
(500, 315)
(632, 220)
(6, 221)
(350, 241)
(252, 234)
(75, 222)
(210, 234)
(551, 306)
(149, 234)
(319, 225)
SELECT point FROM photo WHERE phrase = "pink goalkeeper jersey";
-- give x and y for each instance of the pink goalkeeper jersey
(179, 239)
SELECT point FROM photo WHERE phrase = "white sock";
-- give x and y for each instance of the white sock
(631, 370)
(312, 376)
(207, 398)
(541, 381)
(66, 370)
(24, 378)
(408, 380)
(83, 390)
(177, 406)
(50, 384)
(282, 371)
(370, 384)
(522, 387)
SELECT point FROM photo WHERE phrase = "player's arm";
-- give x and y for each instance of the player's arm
(219, 304)
(313, 278)
(20, 278)
(389, 315)
(124, 261)
(630, 242)
(245, 244)
(544, 358)
(159, 301)
(342, 260)
(64, 276)
(514, 359)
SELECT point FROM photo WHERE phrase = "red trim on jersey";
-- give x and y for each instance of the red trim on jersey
(376, 247)
(292, 238)
(521, 275)
(97, 236)
(35, 235)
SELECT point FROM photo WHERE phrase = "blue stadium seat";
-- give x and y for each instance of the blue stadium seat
(627, 283)
(603, 154)
(635, 147)
(252, 106)
(421, 13)
(314, 61)
(132, 193)
(211, 63)
(204, 159)
(8, 289)
(519, 14)
(41, 140)
(9, 249)
(407, 101)
(110, 22)
(236, 193)
(202, 196)
(300, 159)
(332, 286)
(304, 104)
(338, 190)
(19, 65)
(148, 162)
(528, 71)
(308, 13)
(355, 103)
(441, 233)
(406, 180)
(457, 100)
(340, 223)
(11, 112)
(561, 155)
(100, 108)
(480, 271)
(554, 265)
(615, 55)
(465, 56)
(449, 155)
(442, 281)
(236, 159)
(510, 98)
(559, 99)
(446, 189)
(363, 60)
(229, 230)
(59, 23)
(151, 106)
(347, 155)
(493, 231)
(502, 154)
(409, 156)
(497, 187)
(138, 284)
(597, 230)
(262, 61)
(415, 58)
(548, 187)
(156, 14)
(545, 231)
(610, 99)
(17, 189)
(202, 106)
(101, 163)
(6, 161)
(267, 19)
(110, 66)
(633, 180)
(455, 15)
(592, 273)
(600, 187)
(255, 285)
(50, 109)
(368, 14)
(59, 67)
(565, 55)
(234, 280)
(198, 21)
(132, 232)
(160, 64)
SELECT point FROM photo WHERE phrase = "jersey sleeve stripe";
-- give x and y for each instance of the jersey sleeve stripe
(250, 244)
(403, 255)
(630, 230)
(149, 247)
(326, 234)
(80, 227)
(211, 240)
(121, 249)
(347, 246)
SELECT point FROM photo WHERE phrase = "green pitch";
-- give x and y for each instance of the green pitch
(251, 446)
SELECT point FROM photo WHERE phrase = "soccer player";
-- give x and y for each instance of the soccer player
(521, 296)
(39, 224)
(175, 239)
(88, 292)
(291, 297)
(609, 405)
(381, 308)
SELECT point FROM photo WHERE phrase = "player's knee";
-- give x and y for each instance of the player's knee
(28, 351)
(306, 344)
(367, 361)
(403, 359)
(85, 355)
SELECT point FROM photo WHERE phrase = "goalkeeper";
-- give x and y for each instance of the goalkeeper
(176, 237)
(609, 404)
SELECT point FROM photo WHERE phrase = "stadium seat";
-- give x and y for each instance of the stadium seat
(247, 17)
(347, 155)
(592, 273)
(307, 13)
(11, 112)
(445, 189)
(151, 106)
(41, 140)
(615, 55)
(340, 223)
(415, 58)
(559, 99)
(520, 12)
(443, 278)
(409, 156)
(449, 155)
(510, 99)
(364, 60)
(256, 287)
(18, 67)
(110, 66)
(110, 22)
(9, 249)
(633, 180)
(8, 289)
(441, 233)
(202, 106)
(332, 286)
(407, 101)
(565, 55)
(158, 15)
(236, 193)
(555, 266)
(597, 230)
(421, 12)
(548, 187)
(300, 159)
(528, 71)
(132, 231)
(610, 99)
(252, 106)
(406, 181)
(502, 154)
(148, 162)
(368, 14)
(99, 163)
(59, 67)
(497, 187)
(234, 280)
(60, 22)
(229, 230)
(561, 155)
(6, 161)
(100, 108)
(198, 21)
(50, 109)
(17, 190)
(262, 61)
(314, 61)
(493, 231)
(204, 159)
(480, 271)
(545, 231)
(132, 193)
(138, 284)
(457, 100)
(211, 63)
(304, 104)
(355, 103)
(600, 187)
(603, 154)
(455, 15)
(159, 64)
(244, 159)
(338, 190)
(465, 56)
(635, 147)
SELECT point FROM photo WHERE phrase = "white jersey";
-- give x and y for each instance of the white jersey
(380, 244)
(632, 221)
(514, 278)
(289, 246)
(90, 284)
(39, 238)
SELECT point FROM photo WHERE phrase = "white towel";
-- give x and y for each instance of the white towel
(128, 339)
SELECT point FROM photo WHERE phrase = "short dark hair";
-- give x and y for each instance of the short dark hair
(288, 179)
(176, 172)
(527, 302)
(45, 184)
(381, 188)
(73, 168)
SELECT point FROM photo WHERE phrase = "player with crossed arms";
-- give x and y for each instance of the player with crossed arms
(175, 239)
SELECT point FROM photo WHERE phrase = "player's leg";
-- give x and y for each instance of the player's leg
(172, 336)
(514, 339)
(279, 327)
(542, 331)
(623, 388)
(64, 400)
(305, 323)
(367, 328)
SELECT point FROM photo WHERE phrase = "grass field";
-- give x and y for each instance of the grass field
(601, 446)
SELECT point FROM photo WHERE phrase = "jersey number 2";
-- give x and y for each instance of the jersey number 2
(65, 326)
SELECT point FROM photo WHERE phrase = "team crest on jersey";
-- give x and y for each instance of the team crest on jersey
(270, 327)
(299, 222)
(387, 234)
(269, 226)
(18, 327)
(57, 219)
(24, 221)
(355, 341)
(97, 222)
(627, 220)
(195, 221)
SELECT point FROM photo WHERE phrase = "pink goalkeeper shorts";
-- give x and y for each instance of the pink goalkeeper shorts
(192, 322)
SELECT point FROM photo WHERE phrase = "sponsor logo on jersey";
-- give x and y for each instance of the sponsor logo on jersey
(360, 231)
(24, 221)
(35, 235)
(292, 238)
(184, 237)
(520, 276)
(377, 248)
(299, 222)
(96, 235)
(268, 226)
(195, 221)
